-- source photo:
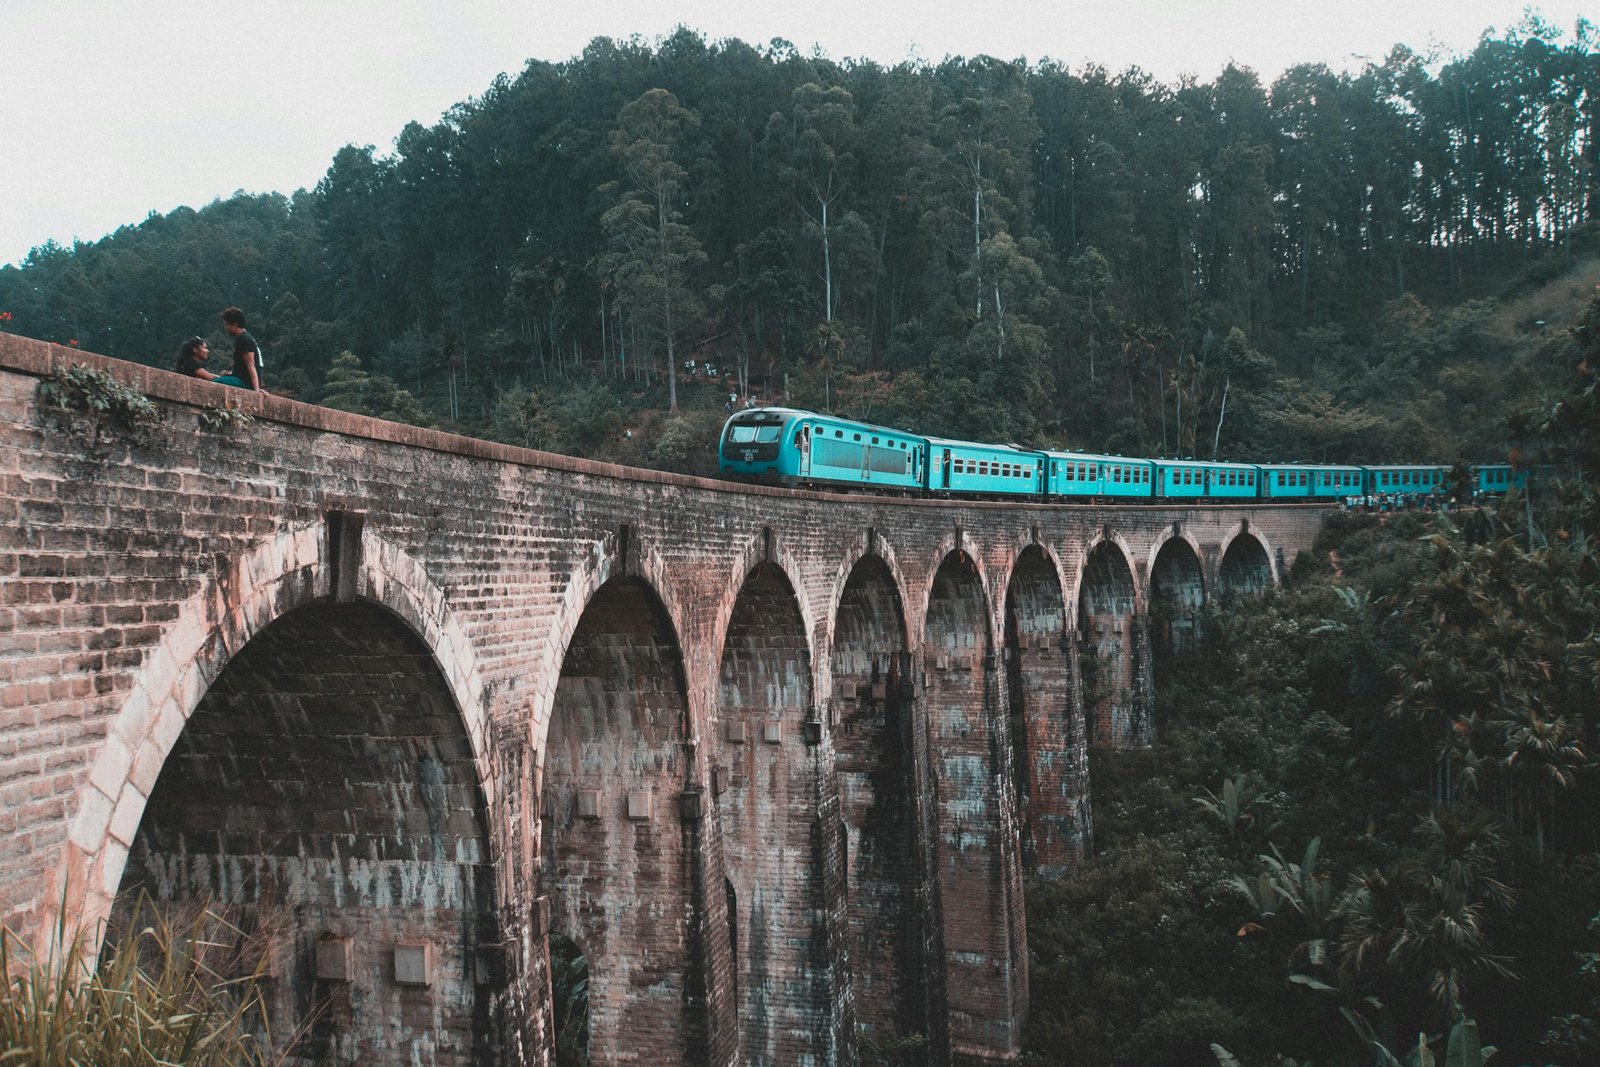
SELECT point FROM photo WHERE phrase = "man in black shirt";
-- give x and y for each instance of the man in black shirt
(246, 353)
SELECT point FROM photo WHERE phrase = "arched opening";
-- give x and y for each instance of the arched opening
(569, 997)
(1177, 593)
(1245, 569)
(979, 869)
(324, 791)
(1107, 652)
(1050, 761)
(616, 859)
(876, 755)
(770, 776)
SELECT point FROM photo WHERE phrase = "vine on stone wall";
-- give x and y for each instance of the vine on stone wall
(109, 405)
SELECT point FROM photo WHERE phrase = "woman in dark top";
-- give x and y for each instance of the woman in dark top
(192, 355)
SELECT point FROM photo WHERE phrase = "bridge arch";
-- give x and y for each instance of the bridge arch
(615, 555)
(317, 769)
(276, 577)
(1246, 562)
(1176, 593)
(619, 855)
(880, 746)
(1050, 753)
(769, 781)
(1109, 606)
(771, 549)
(978, 866)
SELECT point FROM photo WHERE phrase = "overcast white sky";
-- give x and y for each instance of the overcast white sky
(112, 109)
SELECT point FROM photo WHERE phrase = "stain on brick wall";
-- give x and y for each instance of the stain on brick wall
(979, 869)
(1106, 629)
(1051, 757)
(1177, 593)
(617, 862)
(878, 787)
(766, 774)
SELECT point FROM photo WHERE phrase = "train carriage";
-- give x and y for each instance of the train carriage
(962, 467)
(1497, 479)
(1086, 475)
(795, 447)
(1194, 480)
(1406, 482)
(1300, 481)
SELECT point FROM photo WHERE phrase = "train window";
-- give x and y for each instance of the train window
(838, 433)
(983, 466)
(1093, 471)
(1303, 479)
(1085, 472)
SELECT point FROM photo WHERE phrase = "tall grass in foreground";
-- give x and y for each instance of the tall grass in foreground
(171, 989)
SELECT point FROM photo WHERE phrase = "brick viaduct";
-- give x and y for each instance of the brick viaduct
(432, 712)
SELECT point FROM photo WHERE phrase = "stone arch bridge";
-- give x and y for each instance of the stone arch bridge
(448, 721)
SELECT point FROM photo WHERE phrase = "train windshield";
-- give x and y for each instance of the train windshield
(748, 433)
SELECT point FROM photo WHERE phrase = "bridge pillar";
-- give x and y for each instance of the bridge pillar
(1049, 759)
(978, 866)
(889, 818)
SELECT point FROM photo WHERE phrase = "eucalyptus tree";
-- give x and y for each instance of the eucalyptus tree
(653, 254)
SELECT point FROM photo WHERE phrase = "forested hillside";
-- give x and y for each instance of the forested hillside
(1353, 266)
(1371, 812)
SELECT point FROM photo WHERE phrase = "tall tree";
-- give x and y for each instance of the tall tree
(653, 253)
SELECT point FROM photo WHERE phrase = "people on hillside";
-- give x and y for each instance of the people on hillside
(246, 371)
(192, 356)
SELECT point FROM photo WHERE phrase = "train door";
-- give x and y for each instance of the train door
(946, 464)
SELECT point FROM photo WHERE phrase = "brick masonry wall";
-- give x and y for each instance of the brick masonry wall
(134, 571)
(324, 787)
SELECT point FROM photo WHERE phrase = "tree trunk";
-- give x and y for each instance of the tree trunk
(1216, 440)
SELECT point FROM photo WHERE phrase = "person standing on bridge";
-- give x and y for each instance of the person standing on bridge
(246, 353)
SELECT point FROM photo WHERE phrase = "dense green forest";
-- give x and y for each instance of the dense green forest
(1351, 266)
(1371, 811)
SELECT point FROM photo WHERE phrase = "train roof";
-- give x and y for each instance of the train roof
(1405, 466)
(1228, 463)
(1309, 466)
(1094, 457)
(982, 444)
(802, 413)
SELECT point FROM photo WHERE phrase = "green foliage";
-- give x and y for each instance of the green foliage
(350, 388)
(109, 404)
(569, 993)
(169, 990)
(223, 419)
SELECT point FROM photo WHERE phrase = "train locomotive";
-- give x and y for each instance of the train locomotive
(794, 447)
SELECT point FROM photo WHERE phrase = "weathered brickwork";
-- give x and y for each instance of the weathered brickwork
(435, 691)
(1050, 764)
(324, 789)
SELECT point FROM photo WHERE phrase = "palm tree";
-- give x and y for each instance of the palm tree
(1543, 757)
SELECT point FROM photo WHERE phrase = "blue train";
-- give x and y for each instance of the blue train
(792, 447)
